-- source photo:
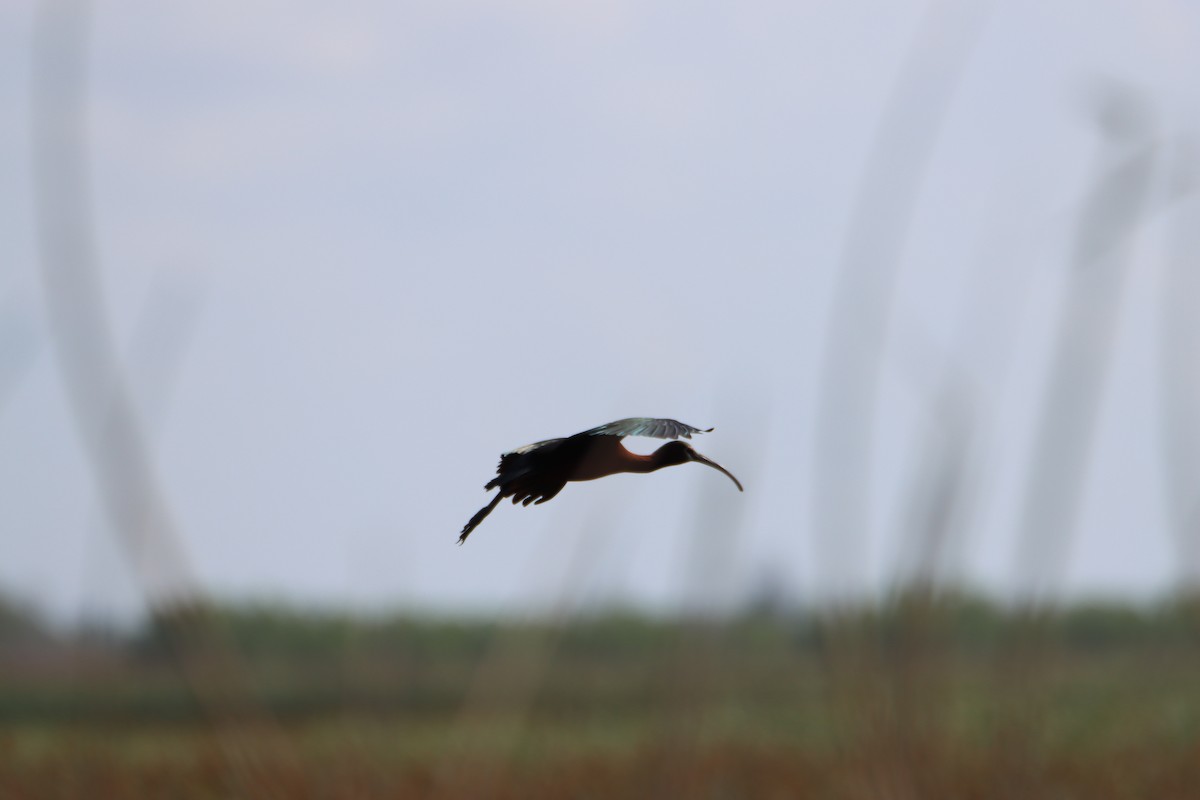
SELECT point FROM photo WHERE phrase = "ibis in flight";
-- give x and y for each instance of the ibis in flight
(536, 472)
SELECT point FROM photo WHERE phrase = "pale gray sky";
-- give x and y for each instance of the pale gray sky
(357, 250)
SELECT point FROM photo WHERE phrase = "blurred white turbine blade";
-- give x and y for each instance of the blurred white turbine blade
(108, 425)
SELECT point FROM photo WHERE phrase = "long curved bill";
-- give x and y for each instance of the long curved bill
(701, 459)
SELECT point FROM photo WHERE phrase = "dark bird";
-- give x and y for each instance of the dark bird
(536, 472)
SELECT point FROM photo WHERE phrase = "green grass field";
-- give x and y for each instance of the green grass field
(946, 700)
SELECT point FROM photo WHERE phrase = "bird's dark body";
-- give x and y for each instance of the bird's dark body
(537, 472)
(536, 475)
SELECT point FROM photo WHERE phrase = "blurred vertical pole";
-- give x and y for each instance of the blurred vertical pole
(937, 498)
(861, 304)
(1179, 342)
(938, 493)
(1087, 327)
(109, 429)
(718, 519)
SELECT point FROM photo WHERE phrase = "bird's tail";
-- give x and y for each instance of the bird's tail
(479, 517)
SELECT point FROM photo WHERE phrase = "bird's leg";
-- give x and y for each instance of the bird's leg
(479, 517)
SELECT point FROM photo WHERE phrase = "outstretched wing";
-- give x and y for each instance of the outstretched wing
(646, 426)
(529, 448)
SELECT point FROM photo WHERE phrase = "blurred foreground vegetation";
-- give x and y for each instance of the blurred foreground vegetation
(949, 696)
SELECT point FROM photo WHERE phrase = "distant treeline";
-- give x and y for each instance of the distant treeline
(302, 664)
(961, 619)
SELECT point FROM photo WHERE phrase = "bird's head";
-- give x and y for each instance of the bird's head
(673, 453)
